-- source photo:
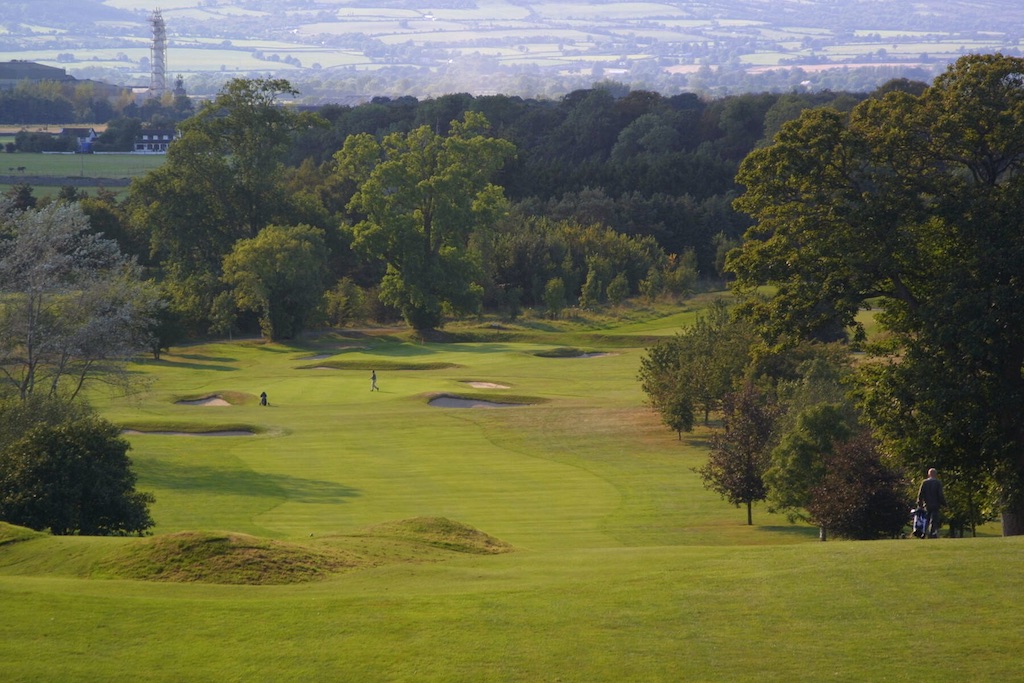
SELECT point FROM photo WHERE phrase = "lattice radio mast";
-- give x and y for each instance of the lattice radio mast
(158, 55)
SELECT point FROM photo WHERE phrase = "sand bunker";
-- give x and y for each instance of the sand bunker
(455, 402)
(208, 401)
(232, 432)
(486, 385)
(319, 356)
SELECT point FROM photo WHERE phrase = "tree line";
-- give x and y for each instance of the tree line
(910, 206)
(603, 186)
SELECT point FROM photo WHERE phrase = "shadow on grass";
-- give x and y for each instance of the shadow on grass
(490, 348)
(206, 358)
(168, 475)
(192, 366)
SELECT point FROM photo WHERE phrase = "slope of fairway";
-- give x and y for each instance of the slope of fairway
(343, 534)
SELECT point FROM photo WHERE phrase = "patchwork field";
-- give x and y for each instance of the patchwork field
(47, 173)
(348, 535)
(633, 40)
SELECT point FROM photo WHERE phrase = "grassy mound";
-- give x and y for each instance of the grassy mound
(441, 532)
(241, 559)
(9, 533)
(225, 558)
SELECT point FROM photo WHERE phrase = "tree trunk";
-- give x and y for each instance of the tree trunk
(750, 513)
(1013, 523)
(822, 534)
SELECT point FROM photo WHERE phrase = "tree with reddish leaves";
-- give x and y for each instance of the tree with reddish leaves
(861, 495)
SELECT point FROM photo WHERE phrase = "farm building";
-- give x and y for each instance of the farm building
(154, 141)
(83, 136)
(11, 73)
(19, 71)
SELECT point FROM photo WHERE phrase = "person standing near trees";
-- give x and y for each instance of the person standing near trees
(930, 495)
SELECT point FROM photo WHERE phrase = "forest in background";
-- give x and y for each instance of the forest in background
(605, 184)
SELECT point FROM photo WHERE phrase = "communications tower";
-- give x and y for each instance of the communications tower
(158, 55)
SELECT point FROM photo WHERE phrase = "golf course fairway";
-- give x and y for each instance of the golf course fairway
(555, 531)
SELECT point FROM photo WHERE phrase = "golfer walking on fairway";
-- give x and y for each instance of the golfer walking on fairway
(373, 381)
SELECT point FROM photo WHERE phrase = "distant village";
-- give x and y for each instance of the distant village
(148, 141)
(32, 76)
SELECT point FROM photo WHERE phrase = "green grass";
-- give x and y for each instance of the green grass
(359, 536)
(80, 165)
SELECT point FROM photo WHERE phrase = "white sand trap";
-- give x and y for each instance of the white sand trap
(593, 355)
(487, 385)
(208, 401)
(453, 402)
(136, 432)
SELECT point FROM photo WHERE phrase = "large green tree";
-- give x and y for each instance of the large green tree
(801, 460)
(421, 196)
(250, 127)
(279, 275)
(69, 476)
(222, 182)
(916, 202)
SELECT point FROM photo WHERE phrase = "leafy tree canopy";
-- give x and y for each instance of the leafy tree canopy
(248, 124)
(916, 202)
(279, 275)
(695, 370)
(420, 197)
(66, 470)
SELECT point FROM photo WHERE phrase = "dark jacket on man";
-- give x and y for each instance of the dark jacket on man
(931, 494)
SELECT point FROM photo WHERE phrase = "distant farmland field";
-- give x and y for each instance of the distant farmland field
(47, 173)
(64, 166)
